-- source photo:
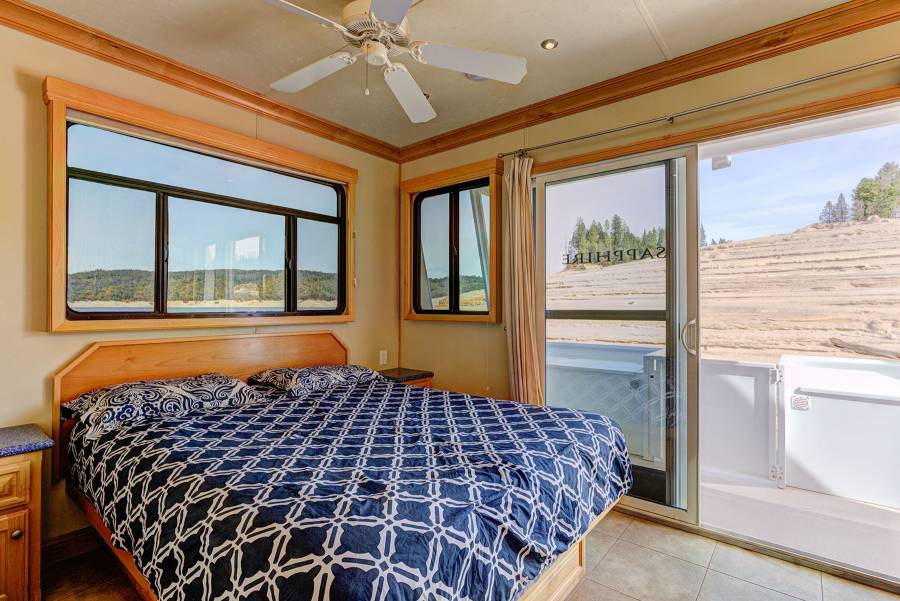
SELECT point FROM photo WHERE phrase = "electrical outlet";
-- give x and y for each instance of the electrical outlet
(382, 357)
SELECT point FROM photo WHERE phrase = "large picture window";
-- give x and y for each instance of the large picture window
(159, 231)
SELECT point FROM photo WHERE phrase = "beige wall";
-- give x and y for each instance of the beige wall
(467, 357)
(29, 354)
(472, 357)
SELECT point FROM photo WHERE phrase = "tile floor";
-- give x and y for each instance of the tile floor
(632, 559)
(627, 559)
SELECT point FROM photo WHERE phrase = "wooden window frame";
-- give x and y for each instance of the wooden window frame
(492, 171)
(61, 96)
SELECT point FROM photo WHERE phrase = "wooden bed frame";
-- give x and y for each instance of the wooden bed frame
(107, 363)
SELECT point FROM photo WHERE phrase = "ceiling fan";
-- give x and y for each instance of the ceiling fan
(379, 30)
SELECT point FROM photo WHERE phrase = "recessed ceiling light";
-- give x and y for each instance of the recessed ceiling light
(549, 44)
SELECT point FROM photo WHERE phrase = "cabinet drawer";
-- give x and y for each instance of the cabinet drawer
(14, 489)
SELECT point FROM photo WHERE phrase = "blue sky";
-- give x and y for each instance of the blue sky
(768, 191)
(113, 228)
(772, 190)
(783, 188)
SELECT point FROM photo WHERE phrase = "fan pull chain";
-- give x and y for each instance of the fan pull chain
(367, 69)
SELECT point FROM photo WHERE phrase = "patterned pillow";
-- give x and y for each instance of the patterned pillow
(110, 408)
(303, 380)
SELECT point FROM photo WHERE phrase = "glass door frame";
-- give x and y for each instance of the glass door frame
(685, 256)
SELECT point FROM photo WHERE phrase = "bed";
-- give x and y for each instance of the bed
(370, 491)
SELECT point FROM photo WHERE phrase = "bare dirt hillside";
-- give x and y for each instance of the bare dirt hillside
(828, 289)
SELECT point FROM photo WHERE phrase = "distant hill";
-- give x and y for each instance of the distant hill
(827, 289)
(467, 283)
(128, 285)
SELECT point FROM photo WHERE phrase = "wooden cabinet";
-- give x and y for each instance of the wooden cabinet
(14, 541)
(20, 527)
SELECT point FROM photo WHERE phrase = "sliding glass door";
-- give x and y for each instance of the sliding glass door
(618, 307)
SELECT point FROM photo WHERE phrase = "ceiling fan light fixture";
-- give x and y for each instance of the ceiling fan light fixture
(376, 53)
(549, 44)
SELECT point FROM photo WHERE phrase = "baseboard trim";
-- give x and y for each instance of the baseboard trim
(69, 545)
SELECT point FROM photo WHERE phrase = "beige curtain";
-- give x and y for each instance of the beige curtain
(525, 378)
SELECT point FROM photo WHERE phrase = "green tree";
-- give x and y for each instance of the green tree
(889, 183)
(827, 214)
(579, 237)
(877, 195)
(865, 197)
(592, 238)
(841, 209)
(618, 228)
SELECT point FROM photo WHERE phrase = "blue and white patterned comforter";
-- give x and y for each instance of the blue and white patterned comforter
(376, 491)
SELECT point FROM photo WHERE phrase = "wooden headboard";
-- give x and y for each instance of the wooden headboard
(108, 363)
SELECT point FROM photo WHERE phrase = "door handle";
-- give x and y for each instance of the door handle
(692, 347)
(16, 534)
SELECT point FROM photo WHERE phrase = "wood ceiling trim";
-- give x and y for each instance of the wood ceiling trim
(795, 114)
(55, 28)
(837, 21)
(844, 19)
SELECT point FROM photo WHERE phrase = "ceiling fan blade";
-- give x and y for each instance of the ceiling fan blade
(310, 74)
(409, 94)
(308, 14)
(391, 11)
(501, 67)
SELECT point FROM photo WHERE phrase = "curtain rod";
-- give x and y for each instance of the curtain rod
(671, 118)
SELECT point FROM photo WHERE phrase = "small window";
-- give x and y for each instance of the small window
(159, 231)
(452, 250)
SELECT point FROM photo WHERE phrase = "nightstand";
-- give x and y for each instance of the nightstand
(20, 511)
(410, 377)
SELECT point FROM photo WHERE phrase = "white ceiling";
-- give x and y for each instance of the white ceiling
(253, 44)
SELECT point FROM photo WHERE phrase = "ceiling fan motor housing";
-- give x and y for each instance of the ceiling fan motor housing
(357, 18)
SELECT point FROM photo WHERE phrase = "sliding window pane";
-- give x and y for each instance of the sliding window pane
(317, 265)
(111, 248)
(474, 249)
(434, 253)
(617, 368)
(606, 242)
(119, 154)
(224, 260)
